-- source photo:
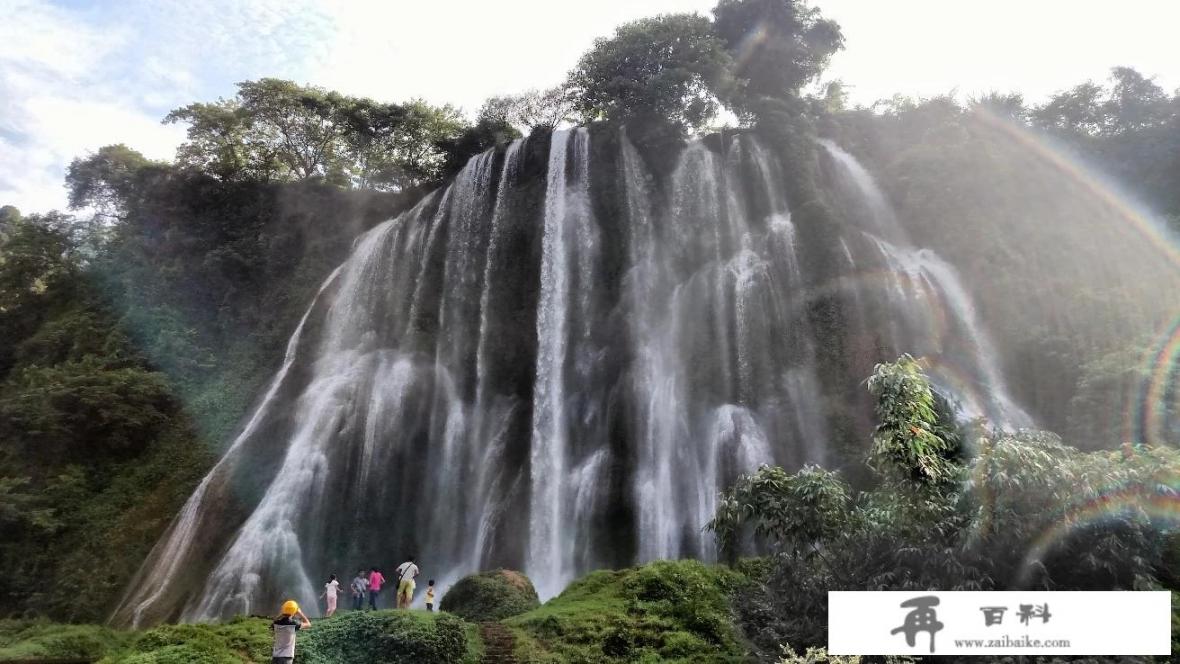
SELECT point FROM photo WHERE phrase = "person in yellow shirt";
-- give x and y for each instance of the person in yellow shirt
(406, 573)
(430, 595)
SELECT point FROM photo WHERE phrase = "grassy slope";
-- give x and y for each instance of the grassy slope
(673, 611)
(661, 612)
(382, 637)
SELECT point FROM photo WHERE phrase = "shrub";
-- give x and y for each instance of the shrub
(27, 639)
(493, 595)
(386, 637)
(667, 611)
(234, 642)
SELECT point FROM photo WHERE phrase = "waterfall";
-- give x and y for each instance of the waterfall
(550, 550)
(926, 290)
(521, 371)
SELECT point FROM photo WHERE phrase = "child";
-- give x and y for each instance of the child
(430, 595)
(330, 589)
(284, 628)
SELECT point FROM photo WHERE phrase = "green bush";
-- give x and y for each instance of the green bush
(26, 639)
(386, 637)
(381, 637)
(493, 595)
(234, 642)
(667, 611)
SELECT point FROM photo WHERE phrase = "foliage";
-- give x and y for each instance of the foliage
(1048, 516)
(1028, 512)
(667, 611)
(382, 637)
(60, 408)
(777, 46)
(797, 512)
(106, 180)
(493, 595)
(908, 444)
(667, 69)
(37, 639)
(104, 342)
(815, 655)
(241, 640)
(532, 109)
(489, 132)
(386, 637)
(278, 130)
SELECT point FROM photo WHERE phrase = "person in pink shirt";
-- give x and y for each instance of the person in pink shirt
(375, 583)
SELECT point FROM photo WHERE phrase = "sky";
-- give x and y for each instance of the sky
(79, 74)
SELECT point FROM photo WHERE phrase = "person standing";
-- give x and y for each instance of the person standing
(284, 628)
(430, 595)
(406, 573)
(331, 588)
(376, 580)
(360, 585)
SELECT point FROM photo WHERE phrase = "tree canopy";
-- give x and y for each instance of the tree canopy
(278, 130)
(669, 68)
(777, 46)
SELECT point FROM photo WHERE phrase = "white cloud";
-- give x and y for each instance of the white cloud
(100, 72)
(73, 80)
(460, 52)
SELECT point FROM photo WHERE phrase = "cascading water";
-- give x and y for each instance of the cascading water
(519, 373)
(935, 306)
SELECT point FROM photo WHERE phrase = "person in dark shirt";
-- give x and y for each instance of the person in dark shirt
(284, 628)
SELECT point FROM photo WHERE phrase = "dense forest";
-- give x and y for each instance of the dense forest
(140, 325)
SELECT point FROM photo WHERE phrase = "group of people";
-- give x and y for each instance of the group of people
(292, 619)
(373, 582)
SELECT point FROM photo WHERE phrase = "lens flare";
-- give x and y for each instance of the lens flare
(1147, 411)
(1138, 220)
(1157, 504)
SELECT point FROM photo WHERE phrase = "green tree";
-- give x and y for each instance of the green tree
(370, 144)
(1007, 105)
(531, 109)
(1079, 111)
(1136, 103)
(278, 130)
(910, 443)
(9, 214)
(421, 144)
(796, 514)
(106, 180)
(37, 275)
(300, 122)
(223, 142)
(666, 69)
(777, 46)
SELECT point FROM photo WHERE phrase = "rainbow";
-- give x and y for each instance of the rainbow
(1145, 412)
(1146, 417)
(1136, 218)
(1159, 507)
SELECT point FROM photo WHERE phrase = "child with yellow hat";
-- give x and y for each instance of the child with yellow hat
(284, 628)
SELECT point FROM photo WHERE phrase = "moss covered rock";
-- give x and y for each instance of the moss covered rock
(667, 611)
(493, 595)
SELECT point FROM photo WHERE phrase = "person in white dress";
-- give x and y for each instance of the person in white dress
(331, 590)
